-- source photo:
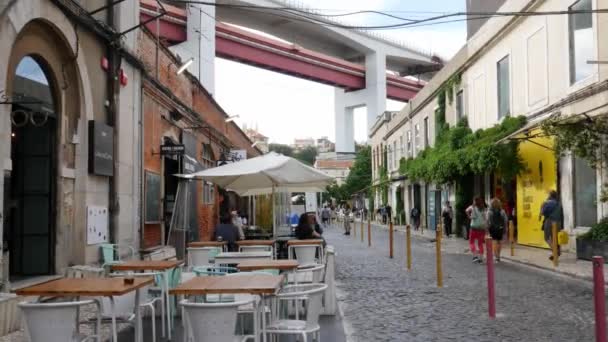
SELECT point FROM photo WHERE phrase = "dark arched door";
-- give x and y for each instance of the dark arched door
(31, 233)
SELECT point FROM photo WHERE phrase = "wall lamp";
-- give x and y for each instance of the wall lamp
(185, 66)
(232, 118)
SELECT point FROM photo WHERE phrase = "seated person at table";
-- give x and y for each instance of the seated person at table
(226, 231)
(306, 228)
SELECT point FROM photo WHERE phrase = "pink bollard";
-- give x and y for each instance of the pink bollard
(491, 290)
(599, 298)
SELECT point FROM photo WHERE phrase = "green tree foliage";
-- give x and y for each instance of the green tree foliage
(359, 178)
(307, 155)
(458, 152)
(285, 150)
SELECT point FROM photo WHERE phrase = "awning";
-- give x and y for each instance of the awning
(525, 132)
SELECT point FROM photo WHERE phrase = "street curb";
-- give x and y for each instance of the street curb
(348, 330)
(512, 260)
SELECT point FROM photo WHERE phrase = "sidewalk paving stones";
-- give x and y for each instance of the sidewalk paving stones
(382, 301)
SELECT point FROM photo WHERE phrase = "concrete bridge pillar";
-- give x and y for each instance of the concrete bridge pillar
(373, 97)
(200, 44)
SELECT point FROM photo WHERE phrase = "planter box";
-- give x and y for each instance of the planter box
(10, 317)
(587, 249)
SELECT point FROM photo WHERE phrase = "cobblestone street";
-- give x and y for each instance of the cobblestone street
(381, 301)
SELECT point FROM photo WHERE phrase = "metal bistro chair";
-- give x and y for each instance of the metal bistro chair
(57, 322)
(122, 308)
(313, 294)
(212, 322)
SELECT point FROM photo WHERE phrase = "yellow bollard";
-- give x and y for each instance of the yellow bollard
(554, 244)
(390, 239)
(369, 232)
(438, 256)
(512, 237)
(408, 246)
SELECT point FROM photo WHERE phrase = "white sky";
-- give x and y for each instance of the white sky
(284, 107)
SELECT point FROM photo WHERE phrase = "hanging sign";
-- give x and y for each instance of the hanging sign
(172, 149)
(101, 152)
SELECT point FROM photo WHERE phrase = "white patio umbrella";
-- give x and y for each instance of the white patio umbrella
(265, 175)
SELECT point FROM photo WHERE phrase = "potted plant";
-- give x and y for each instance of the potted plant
(594, 242)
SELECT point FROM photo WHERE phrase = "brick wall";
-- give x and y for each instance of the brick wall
(156, 106)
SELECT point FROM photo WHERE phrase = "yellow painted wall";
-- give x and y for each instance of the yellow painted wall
(532, 189)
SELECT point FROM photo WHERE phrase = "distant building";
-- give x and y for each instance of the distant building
(335, 168)
(325, 145)
(258, 139)
(300, 144)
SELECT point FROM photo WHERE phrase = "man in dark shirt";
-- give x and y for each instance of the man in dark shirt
(226, 231)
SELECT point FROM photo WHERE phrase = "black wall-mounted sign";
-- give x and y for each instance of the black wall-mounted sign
(101, 151)
(172, 149)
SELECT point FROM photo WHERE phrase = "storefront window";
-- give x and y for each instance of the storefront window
(580, 30)
(585, 194)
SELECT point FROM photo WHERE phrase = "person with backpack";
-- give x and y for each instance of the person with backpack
(497, 225)
(477, 233)
(551, 212)
(415, 217)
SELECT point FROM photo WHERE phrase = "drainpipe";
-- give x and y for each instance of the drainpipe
(111, 90)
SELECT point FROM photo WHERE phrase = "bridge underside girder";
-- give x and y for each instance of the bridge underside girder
(253, 49)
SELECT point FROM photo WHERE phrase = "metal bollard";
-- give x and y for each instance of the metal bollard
(491, 289)
(512, 237)
(438, 256)
(554, 245)
(362, 228)
(369, 232)
(408, 246)
(390, 239)
(354, 227)
(599, 299)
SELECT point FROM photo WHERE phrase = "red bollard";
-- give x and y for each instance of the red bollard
(491, 291)
(599, 298)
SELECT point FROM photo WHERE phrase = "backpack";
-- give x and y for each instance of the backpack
(477, 219)
(496, 220)
(414, 212)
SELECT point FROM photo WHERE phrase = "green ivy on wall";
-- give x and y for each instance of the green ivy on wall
(582, 135)
(459, 151)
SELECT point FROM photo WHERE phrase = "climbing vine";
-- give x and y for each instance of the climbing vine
(459, 152)
(582, 135)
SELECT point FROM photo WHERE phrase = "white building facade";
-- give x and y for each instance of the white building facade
(535, 66)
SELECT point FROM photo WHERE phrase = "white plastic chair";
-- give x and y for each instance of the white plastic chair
(305, 254)
(201, 256)
(212, 322)
(57, 322)
(124, 306)
(313, 294)
(256, 248)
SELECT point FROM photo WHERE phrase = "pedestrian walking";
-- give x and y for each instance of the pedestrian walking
(477, 232)
(389, 213)
(325, 216)
(415, 217)
(497, 225)
(347, 220)
(551, 212)
(238, 223)
(447, 213)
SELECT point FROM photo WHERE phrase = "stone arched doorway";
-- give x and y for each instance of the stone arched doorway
(43, 84)
(31, 228)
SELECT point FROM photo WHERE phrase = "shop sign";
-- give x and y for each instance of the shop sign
(101, 151)
(172, 149)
